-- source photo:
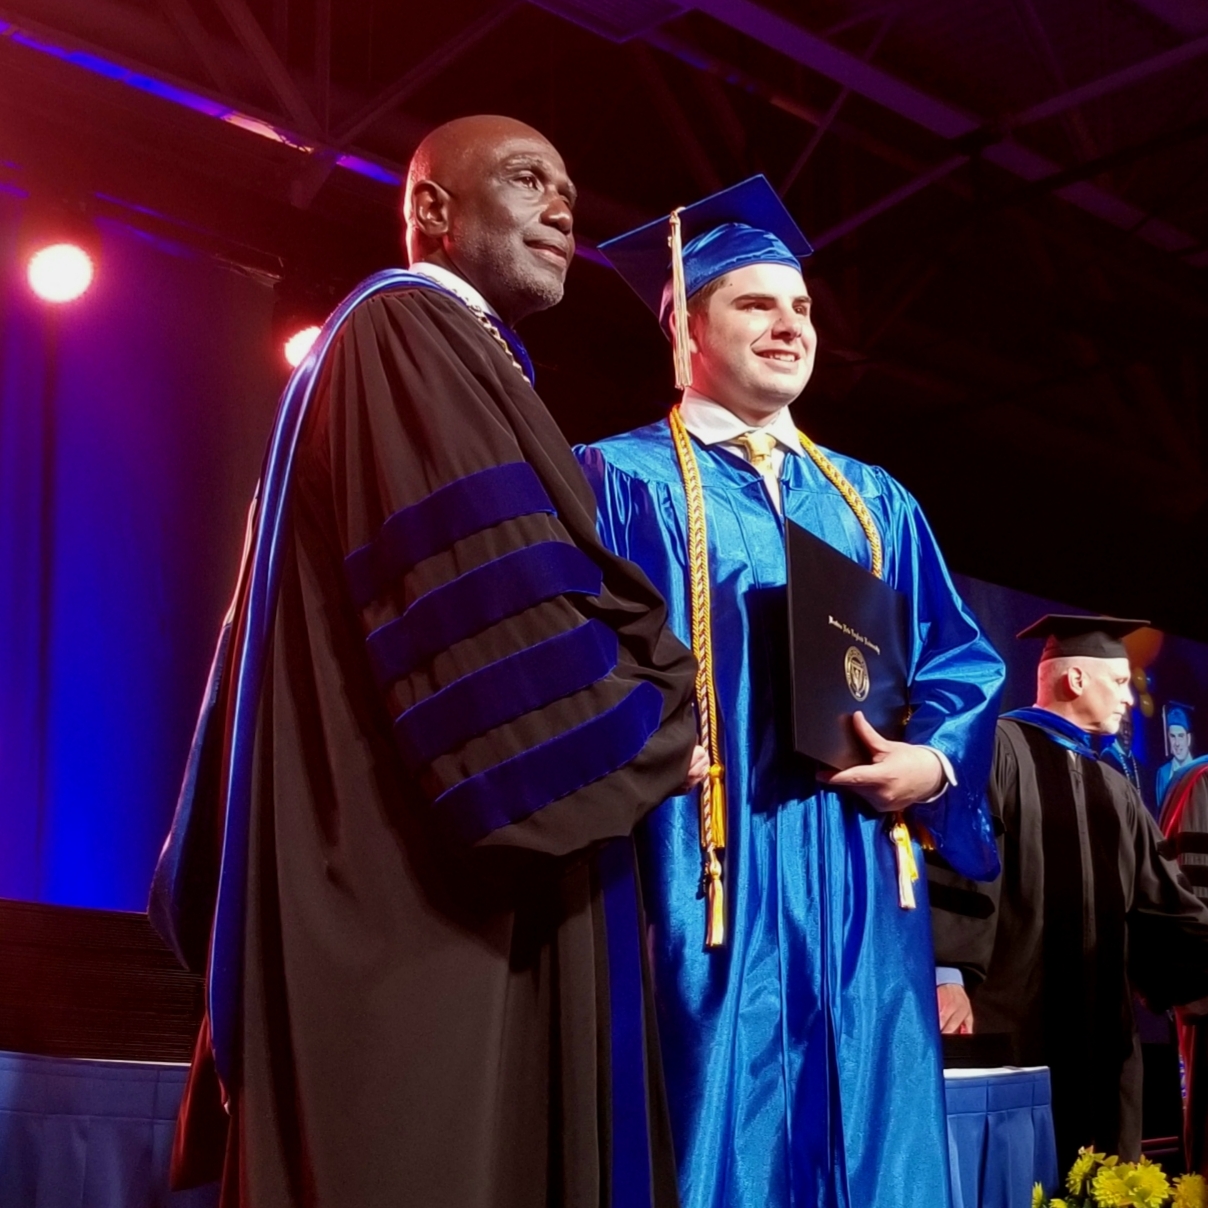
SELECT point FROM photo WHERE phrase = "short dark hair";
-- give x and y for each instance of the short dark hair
(699, 301)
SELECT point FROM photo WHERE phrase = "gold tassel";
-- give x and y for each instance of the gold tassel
(679, 303)
(715, 903)
(908, 869)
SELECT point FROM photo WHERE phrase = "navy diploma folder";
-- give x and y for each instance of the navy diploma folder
(849, 648)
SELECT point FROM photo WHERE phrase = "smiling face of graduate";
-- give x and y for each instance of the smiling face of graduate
(752, 341)
(1180, 742)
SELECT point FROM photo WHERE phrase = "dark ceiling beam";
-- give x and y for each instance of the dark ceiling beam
(1106, 85)
(323, 63)
(736, 77)
(685, 143)
(1187, 17)
(425, 71)
(1075, 125)
(828, 118)
(945, 120)
(924, 180)
(187, 24)
(255, 42)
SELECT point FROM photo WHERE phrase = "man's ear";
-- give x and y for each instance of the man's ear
(694, 321)
(430, 209)
(1075, 680)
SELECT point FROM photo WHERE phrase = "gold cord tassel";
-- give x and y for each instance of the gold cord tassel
(908, 869)
(899, 834)
(679, 302)
(712, 791)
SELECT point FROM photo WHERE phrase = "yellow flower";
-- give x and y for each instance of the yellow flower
(1083, 1167)
(1129, 1185)
(1190, 1191)
(1037, 1196)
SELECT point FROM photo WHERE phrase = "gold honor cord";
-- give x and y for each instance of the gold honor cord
(712, 791)
(899, 834)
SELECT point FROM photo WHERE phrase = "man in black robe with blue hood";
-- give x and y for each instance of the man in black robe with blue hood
(1090, 904)
(402, 853)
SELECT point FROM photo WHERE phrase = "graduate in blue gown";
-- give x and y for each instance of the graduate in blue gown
(795, 981)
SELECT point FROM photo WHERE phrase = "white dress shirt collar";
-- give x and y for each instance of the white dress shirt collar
(713, 424)
(454, 284)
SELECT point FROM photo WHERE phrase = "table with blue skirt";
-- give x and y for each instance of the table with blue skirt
(98, 1134)
(1000, 1136)
(77, 1133)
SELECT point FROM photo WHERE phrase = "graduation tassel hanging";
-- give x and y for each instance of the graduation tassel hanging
(712, 791)
(679, 303)
(908, 869)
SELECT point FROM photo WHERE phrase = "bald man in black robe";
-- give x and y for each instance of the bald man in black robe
(1089, 905)
(425, 973)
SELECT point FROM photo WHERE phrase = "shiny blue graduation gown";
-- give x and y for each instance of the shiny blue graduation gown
(803, 1058)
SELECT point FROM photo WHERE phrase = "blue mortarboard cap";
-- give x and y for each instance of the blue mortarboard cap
(1178, 716)
(744, 224)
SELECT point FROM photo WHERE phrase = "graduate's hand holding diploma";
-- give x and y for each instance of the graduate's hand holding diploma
(897, 775)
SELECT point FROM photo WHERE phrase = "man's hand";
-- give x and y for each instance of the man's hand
(698, 769)
(956, 1011)
(897, 775)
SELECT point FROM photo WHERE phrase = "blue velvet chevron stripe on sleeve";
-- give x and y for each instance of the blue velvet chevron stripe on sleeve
(448, 515)
(512, 790)
(505, 690)
(478, 599)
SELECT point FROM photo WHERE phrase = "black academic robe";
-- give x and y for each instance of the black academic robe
(1088, 906)
(468, 704)
(1185, 823)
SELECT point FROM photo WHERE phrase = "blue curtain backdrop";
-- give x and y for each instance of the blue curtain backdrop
(132, 425)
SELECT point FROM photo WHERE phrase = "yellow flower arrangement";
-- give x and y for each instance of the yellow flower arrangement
(1131, 1185)
(1190, 1191)
(1098, 1181)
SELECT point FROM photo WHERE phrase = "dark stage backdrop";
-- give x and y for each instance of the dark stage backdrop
(132, 424)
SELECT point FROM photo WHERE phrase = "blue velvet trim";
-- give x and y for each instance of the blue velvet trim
(512, 790)
(478, 599)
(224, 984)
(1064, 733)
(451, 513)
(504, 690)
(631, 1182)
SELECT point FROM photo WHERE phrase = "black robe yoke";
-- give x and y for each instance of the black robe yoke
(467, 697)
(1088, 906)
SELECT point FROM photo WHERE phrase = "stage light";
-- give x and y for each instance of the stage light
(298, 345)
(60, 272)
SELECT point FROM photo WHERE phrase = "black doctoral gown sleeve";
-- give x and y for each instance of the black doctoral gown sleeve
(965, 913)
(1168, 924)
(531, 686)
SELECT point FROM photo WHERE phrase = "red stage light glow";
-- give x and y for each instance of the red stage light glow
(60, 272)
(298, 345)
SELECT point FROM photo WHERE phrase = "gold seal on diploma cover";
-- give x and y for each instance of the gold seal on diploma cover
(856, 670)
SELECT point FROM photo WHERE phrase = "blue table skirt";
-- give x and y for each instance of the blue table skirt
(98, 1134)
(89, 1134)
(1000, 1136)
